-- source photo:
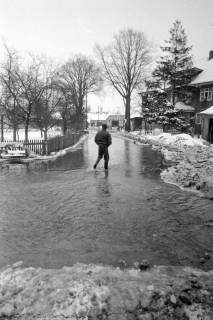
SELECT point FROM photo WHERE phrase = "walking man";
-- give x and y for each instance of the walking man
(103, 140)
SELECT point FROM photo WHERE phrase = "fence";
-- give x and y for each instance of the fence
(57, 143)
(45, 147)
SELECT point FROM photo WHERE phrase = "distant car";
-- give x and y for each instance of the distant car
(13, 153)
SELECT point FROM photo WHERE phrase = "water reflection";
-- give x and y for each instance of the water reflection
(69, 161)
(102, 184)
(61, 211)
(127, 158)
(103, 191)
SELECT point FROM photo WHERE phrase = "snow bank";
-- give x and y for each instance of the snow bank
(96, 292)
(190, 159)
(174, 141)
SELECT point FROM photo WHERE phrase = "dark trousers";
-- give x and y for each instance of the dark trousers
(103, 152)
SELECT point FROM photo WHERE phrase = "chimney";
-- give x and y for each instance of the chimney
(210, 54)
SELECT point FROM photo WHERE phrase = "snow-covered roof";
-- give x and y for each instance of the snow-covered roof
(115, 116)
(206, 75)
(136, 114)
(208, 111)
(183, 107)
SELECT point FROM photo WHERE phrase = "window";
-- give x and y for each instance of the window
(206, 94)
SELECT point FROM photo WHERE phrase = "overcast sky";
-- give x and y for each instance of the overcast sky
(59, 28)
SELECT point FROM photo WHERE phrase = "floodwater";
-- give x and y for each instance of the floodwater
(61, 211)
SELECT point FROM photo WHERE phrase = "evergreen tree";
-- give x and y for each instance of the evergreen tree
(173, 67)
(157, 109)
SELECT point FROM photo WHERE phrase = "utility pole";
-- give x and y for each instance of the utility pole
(2, 128)
(86, 109)
(98, 112)
(2, 123)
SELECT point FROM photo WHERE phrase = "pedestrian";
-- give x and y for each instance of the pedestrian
(103, 140)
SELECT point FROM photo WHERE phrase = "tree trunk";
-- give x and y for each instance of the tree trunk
(127, 113)
(64, 126)
(14, 132)
(45, 134)
(26, 130)
(14, 121)
(79, 120)
(173, 94)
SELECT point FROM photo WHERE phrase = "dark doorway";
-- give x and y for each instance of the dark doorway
(211, 130)
(115, 123)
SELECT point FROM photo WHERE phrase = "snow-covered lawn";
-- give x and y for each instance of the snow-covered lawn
(191, 160)
(32, 134)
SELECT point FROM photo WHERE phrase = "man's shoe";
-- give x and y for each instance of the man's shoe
(94, 167)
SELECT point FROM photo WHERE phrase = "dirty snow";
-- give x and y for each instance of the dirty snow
(97, 292)
(190, 160)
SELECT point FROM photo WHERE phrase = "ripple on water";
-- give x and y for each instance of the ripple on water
(59, 212)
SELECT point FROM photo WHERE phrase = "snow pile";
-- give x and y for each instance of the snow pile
(190, 160)
(96, 292)
(168, 140)
(174, 141)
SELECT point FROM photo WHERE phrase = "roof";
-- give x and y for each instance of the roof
(115, 116)
(206, 75)
(208, 111)
(183, 107)
(147, 91)
(136, 114)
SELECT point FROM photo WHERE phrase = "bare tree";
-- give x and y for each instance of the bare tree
(66, 107)
(22, 83)
(48, 104)
(125, 62)
(9, 91)
(80, 76)
(30, 88)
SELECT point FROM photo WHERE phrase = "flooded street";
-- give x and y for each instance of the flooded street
(61, 211)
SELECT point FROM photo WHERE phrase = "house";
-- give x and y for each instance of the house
(201, 88)
(115, 121)
(196, 95)
(96, 119)
(136, 121)
(207, 124)
(187, 110)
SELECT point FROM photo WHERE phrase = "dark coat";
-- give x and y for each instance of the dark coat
(103, 138)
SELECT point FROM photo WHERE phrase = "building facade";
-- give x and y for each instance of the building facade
(115, 121)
